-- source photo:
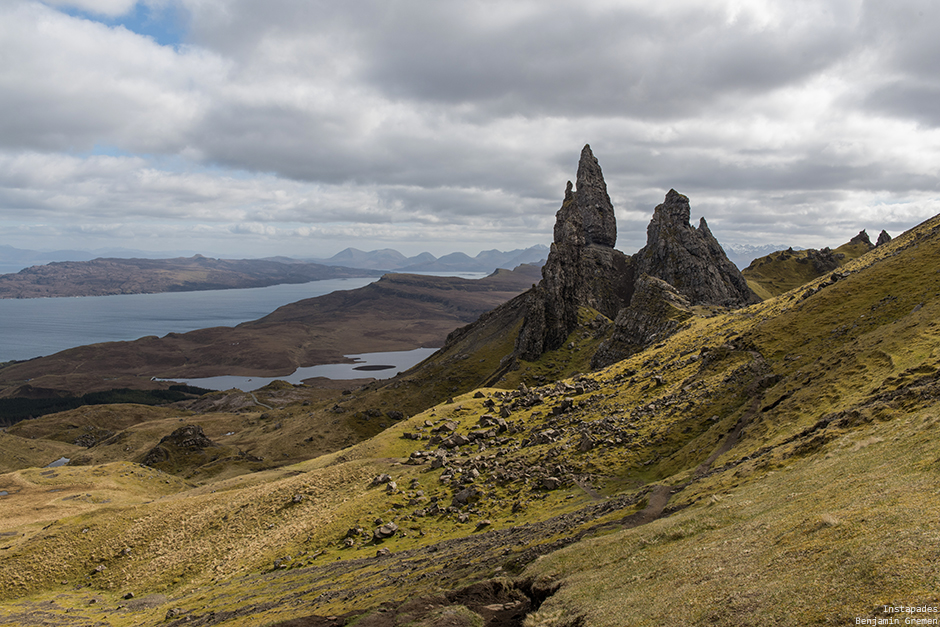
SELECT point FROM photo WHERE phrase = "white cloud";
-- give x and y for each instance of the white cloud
(70, 84)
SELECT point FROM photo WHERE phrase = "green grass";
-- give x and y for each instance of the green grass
(824, 509)
(818, 540)
(785, 270)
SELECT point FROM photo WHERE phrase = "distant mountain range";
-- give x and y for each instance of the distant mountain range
(390, 259)
(13, 259)
(102, 277)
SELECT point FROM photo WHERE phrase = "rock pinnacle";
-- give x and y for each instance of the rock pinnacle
(597, 212)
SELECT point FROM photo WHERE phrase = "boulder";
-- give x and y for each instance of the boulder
(467, 495)
(385, 531)
(550, 483)
(586, 444)
(381, 479)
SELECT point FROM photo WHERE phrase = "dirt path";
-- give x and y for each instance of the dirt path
(731, 439)
(657, 502)
(257, 402)
(588, 489)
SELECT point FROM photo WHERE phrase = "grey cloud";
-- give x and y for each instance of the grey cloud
(901, 37)
(329, 148)
(71, 84)
(571, 62)
(560, 58)
(908, 100)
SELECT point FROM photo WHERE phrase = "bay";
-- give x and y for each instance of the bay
(42, 326)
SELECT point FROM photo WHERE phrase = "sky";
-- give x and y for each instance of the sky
(244, 128)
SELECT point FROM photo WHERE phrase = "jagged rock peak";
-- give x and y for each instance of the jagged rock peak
(597, 212)
(674, 209)
(587, 216)
(862, 238)
(690, 259)
(883, 238)
(569, 224)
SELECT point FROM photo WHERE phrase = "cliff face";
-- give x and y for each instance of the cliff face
(584, 270)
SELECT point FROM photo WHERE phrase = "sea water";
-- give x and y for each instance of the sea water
(36, 327)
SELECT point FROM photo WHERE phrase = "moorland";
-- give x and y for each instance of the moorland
(637, 440)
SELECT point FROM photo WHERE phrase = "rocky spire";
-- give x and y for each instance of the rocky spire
(597, 212)
(587, 216)
(690, 259)
(582, 268)
(883, 238)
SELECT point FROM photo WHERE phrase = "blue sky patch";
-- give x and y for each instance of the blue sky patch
(166, 25)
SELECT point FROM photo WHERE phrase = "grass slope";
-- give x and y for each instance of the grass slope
(785, 270)
(774, 464)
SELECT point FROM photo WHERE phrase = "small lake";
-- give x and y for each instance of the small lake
(368, 365)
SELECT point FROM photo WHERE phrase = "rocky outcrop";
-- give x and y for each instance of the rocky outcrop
(823, 261)
(784, 270)
(863, 239)
(690, 259)
(188, 439)
(883, 238)
(656, 311)
(583, 268)
(683, 265)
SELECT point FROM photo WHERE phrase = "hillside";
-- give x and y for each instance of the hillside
(720, 472)
(784, 270)
(101, 277)
(773, 463)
